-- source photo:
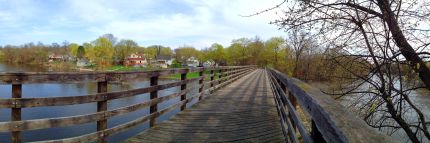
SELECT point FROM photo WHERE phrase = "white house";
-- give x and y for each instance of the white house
(192, 62)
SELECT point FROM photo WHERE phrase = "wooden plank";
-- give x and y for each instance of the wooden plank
(102, 107)
(153, 95)
(81, 119)
(213, 120)
(71, 100)
(16, 112)
(295, 120)
(119, 128)
(111, 76)
(201, 83)
(103, 78)
(183, 87)
(334, 121)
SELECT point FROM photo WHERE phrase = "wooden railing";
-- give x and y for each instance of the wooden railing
(16, 126)
(330, 121)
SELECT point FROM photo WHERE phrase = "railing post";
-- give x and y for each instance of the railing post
(16, 112)
(184, 87)
(219, 76)
(153, 95)
(201, 84)
(292, 99)
(101, 107)
(212, 78)
(316, 134)
(228, 74)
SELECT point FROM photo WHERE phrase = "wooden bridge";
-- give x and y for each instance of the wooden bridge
(235, 104)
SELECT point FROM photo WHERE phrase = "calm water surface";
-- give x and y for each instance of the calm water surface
(421, 99)
(55, 90)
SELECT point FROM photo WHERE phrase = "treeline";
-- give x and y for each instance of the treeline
(297, 55)
(104, 51)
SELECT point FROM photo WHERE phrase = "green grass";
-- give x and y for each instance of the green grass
(173, 76)
(125, 68)
(191, 75)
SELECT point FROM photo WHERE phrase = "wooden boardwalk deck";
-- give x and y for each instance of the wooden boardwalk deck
(243, 111)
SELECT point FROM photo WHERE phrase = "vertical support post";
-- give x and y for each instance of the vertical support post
(292, 99)
(102, 106)
(229, 73)
(16, 112)
(201, 84)
(220, 76)
(183, 87)
(212, 78)
(316, 134)
(153, 95)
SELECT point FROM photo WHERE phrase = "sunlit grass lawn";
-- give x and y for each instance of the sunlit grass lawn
(173, 76)
(191, 75)
(128, 68)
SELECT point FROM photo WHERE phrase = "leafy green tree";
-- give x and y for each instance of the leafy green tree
(217, 54)
(73, 48)
(124, 48)
(182, 54)
(166, 51)
(81, 52)
(151, 52)
(272, 50)
(101, 52)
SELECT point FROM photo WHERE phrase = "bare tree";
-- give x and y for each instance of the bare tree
(381, 42)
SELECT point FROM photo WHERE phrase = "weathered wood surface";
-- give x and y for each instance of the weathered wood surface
(110, 76)
(332, 120)
(16, 125)
(243, 111)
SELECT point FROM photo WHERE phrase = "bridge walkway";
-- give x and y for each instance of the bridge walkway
(243, 111)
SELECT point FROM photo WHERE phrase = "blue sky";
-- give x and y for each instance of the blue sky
(171, 23)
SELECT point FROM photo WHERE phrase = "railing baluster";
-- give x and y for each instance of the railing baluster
(153, 95)
(16, 112)
(201, 84)
(219, 76)
(290, 97)
(212, 79)
(184, 87)
(316, 134)
(102, 106)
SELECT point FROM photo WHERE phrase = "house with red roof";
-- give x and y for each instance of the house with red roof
(135, 60)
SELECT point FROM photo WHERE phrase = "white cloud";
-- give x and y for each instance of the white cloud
(190, 22)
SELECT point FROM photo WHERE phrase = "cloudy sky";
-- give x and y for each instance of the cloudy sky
(167, 22)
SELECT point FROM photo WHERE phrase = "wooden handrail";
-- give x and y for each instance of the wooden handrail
(331, 122)
(16, 126)
(110, 76)
(82, 99)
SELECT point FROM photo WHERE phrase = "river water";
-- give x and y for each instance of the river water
(420, 98)
(53, 90)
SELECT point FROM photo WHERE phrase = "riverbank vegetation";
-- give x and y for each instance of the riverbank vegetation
(378, 53)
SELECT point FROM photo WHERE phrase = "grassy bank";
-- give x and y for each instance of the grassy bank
(126, 68)
(173, 76)
(190, 75)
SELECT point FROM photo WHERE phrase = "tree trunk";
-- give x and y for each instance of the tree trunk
(405, 48)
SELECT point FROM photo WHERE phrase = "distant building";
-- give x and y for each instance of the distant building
(209, 63)
(162, 61)
(135, 60)
(56, 58)
(192, 62)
